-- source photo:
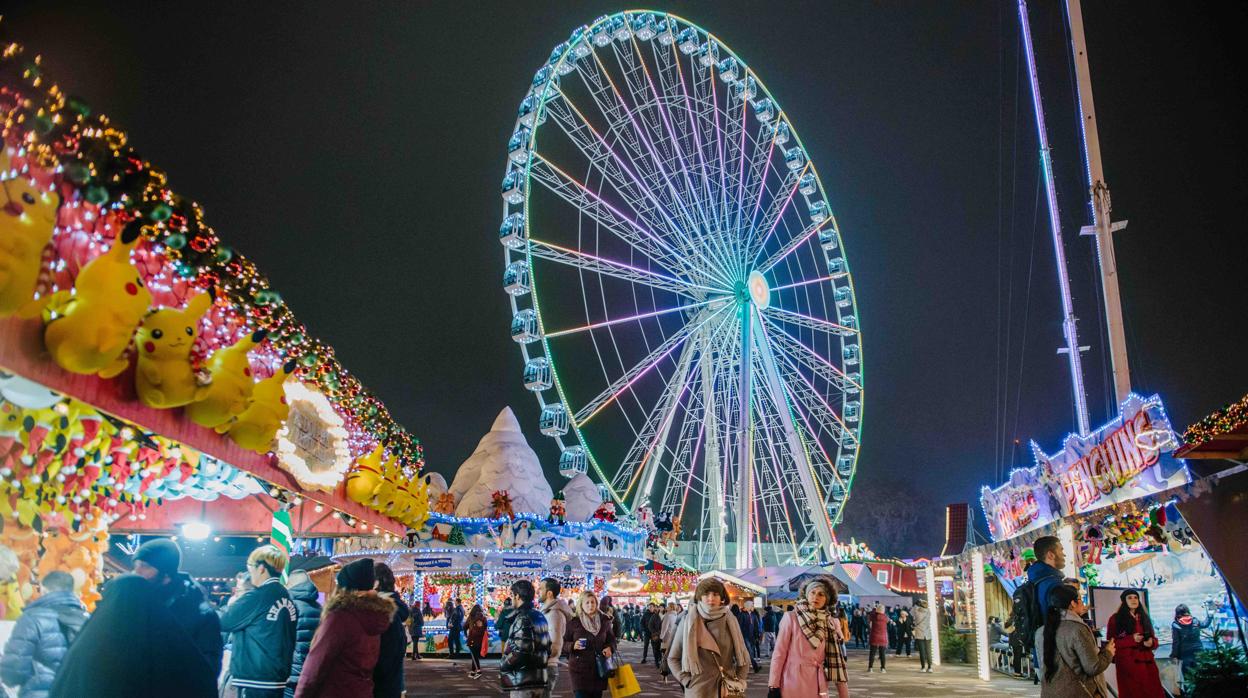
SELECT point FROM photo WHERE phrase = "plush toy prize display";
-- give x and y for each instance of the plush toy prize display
(27, 218)
(164, 376)
(89, 329)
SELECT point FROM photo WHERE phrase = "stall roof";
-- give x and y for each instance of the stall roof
(776, 578)
(838, 572)
(871, 586)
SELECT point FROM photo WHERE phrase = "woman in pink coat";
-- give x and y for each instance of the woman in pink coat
(810, 648)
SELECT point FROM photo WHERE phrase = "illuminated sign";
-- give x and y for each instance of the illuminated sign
(1124, 459)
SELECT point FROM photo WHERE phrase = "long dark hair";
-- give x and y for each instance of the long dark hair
(1125, 622)
(1060, 599)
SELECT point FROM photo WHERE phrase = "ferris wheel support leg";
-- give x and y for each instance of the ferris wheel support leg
(745, 435)
(819, 508)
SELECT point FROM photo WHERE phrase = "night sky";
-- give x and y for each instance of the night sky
(354, 152)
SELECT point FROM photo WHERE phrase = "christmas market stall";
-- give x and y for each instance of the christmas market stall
(1113, 499)
(151, 380)
(500, 521)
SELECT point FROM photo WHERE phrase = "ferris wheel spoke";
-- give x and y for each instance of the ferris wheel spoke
(646, 93)
(793, 244)
(695, 118)
(625, 272)
(608, 163)
(649, 110)
(809, 322)
(625, 124)
(634, 183)
(612, 219)
(793, 348)
(642, 460)
(633, 318)
(774, 213)
(624, 382)
(804, 394)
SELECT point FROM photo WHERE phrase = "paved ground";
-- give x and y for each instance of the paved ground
(442, 677)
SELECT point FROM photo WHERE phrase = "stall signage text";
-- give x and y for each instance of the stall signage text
(1125, 459)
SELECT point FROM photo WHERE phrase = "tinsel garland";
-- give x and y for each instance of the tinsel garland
(1224, 421)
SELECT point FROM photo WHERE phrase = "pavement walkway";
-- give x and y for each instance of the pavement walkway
(445, 678)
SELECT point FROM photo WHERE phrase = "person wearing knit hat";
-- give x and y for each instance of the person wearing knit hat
(357, 576)
(347, 645)
(158, 561)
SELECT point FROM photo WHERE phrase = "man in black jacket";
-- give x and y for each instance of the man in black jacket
(522, 670)
(308, 606)
(388, 680)
(416, 626)
(158, 561)
(454, 624)
(263, 625)
(654, 631)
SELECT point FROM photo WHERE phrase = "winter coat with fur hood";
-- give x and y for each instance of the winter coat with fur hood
(344, 652)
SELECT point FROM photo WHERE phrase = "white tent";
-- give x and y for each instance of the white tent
(873, 591)
(838, 572)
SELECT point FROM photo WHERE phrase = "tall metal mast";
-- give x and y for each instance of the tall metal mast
(1072, 347)
(1102, 226)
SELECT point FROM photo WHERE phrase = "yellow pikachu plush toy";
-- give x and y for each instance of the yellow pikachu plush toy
(27, 217)
(231, 388)
(364, 476)
(163, 375)
(256, 427)
(89, 329)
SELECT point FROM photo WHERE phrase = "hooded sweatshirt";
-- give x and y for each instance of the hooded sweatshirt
(344, 652)
(557, 613)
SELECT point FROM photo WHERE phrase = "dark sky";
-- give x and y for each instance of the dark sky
(354, 152)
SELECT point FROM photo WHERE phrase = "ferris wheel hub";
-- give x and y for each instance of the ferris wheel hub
(760, 291)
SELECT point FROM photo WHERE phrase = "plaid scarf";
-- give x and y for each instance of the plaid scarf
(818, 626)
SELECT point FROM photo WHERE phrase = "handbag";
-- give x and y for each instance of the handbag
(729, 686)
(624, 683)
(606, 666)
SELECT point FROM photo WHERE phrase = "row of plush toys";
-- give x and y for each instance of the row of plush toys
(66, 461)
(380, 484)
(27, 555)
(89, 328)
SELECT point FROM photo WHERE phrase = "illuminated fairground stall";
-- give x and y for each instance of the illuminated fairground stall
(1115, 499)
(500, 521)
(151, 380)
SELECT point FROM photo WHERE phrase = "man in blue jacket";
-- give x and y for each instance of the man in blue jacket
(1045, 573)
(41, 637)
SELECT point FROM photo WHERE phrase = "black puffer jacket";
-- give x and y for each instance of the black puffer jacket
(309, 609)
(388, 674)
(39, 642)
(525, 650)
(188, 602)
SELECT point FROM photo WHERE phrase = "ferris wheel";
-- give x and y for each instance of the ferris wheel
(679, 291)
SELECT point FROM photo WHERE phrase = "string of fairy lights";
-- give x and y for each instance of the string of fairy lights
(97, 168)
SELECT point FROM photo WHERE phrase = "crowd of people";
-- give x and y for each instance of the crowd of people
(155, 632)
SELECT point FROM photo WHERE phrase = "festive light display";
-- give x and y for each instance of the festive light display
(105, 186)
(1231, 418)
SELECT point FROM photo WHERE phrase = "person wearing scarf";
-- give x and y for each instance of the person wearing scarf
(708, 648)
(810, 648)
(587, 637)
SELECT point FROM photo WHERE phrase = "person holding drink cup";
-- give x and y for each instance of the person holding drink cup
(587, 643)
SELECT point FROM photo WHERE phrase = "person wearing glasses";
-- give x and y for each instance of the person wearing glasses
(262, 626)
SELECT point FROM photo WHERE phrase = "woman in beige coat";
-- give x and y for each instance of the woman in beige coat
(1073, 667)
(707, 649)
